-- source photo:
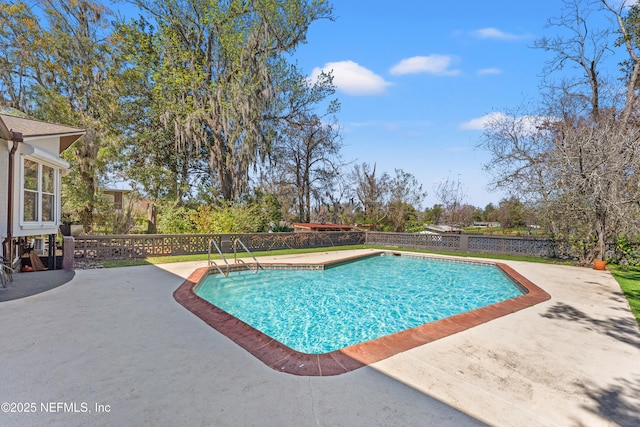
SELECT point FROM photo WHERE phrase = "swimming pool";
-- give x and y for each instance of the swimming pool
(319, 311)
(283, 358)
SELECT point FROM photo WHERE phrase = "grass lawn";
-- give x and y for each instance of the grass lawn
(629, 280)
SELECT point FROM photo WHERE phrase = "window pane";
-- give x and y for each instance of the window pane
(47, 207)
(48, 175)
(30, 175)
(117, 201)
(30, 206)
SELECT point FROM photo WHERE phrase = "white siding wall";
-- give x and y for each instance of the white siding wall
(52, 146)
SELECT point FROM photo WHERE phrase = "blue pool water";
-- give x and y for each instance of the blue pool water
(324, 310)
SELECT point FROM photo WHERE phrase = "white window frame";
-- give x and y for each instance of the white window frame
(39, 222)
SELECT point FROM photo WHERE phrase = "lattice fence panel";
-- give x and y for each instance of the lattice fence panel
(142, 246)
(515, 246)
(416, 241)
(477, 244)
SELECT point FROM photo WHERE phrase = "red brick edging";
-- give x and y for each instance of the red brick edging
(284, 359)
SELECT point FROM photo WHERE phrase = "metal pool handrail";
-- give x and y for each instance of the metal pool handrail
(212, 242)
(235, 255)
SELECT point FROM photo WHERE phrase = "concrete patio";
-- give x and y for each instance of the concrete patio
(112, 347)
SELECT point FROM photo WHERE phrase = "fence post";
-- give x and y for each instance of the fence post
(226, 246)
(68, 253)
(464, 243)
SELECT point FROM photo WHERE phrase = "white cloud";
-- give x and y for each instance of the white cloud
(432, 64)
(526, 124)
(496, 34)
(352, 78)
(481, 123)
(485, 71)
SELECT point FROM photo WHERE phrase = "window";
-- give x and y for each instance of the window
(31, 171)
(117, 201)
(48, 193)
(39, 192)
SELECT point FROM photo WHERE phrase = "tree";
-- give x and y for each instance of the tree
(478, 214)
(576, 155)
(435, 214)
(20, 35)
(405, 199)
(148, 155)
(216, 72)
(384, 202)
(511, 213)
(582, 46)
(227, 217)
(307, 149)
(628, 36)
(61, 64)
(490, 213)
(451, 194)
(372, 193)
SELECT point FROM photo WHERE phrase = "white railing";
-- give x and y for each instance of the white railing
(235, 255)
(212, 242)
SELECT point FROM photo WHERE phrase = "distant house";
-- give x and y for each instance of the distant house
(119, 197)
(484, 224)
(126, 209)
(305, 227)
(441, 229)
(30, 172)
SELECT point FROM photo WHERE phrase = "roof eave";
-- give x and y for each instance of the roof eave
(68, 140)
(5, 133)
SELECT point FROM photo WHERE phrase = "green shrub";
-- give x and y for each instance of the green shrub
(227, 218)
(176, 220)
(626, 254)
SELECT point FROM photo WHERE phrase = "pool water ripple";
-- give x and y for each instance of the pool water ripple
(318, 311)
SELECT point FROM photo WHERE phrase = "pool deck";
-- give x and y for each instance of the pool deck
(116, 343)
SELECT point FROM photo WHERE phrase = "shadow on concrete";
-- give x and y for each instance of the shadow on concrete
(612, 404)
(121, 320)
(624, 329)
(35, 282)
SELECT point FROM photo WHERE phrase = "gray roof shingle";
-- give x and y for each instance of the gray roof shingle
(31, 128)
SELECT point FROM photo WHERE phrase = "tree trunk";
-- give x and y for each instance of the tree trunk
(88, 181)
(152, 219)
(600, 229)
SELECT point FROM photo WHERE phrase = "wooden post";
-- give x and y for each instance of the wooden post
(51, 260)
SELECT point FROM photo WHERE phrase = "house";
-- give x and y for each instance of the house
(300, 227)
(485, 224)
(443, 229)
(30, 173)
(118, 196)
(128, 211)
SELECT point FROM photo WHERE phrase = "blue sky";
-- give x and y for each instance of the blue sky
(415, 78)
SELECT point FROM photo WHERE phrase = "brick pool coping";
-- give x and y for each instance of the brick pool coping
(284, 359)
